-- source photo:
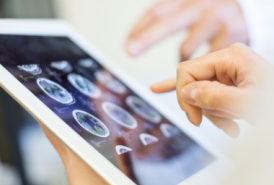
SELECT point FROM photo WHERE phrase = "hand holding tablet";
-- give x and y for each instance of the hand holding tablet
(78, 172)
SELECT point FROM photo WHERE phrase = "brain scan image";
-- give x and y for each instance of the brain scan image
(55, 91)
(143, 109)
(122, 149)
(169, 130)
(84, 86)
(109, 82)
(90, 123)
(33, 69)
(148, 139)
(63, 66)
(119, 115)
(87, 63)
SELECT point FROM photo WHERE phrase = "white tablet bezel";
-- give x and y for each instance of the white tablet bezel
(70, 138)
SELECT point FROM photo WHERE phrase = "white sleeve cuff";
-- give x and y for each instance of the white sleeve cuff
(259, 16)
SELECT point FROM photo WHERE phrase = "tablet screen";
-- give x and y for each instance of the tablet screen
(106, 113)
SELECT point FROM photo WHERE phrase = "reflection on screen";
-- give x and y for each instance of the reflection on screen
(107, 114)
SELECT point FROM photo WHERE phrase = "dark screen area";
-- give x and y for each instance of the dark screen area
(106, 113)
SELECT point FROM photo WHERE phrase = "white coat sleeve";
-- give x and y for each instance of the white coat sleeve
(259, 16)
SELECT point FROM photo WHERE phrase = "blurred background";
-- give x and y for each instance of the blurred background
(26, 156)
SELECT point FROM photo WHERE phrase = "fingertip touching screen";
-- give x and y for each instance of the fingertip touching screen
(106, 113)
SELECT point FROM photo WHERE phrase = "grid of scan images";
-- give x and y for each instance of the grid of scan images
(106, 113)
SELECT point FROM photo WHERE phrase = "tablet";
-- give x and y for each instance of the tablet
(113, 124)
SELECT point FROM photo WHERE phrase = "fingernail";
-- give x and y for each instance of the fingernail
(135, 47)
(189, 94)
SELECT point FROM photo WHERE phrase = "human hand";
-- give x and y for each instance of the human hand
(78, 172)
(224, 85)
(219, 21)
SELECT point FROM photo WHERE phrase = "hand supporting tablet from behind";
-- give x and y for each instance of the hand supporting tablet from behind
(78, 172)
(219, 22)
(228, 84)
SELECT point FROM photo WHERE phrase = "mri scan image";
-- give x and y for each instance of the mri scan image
(55, 91)
(116, 120)
(33, 69)
(143, 109)
(120, 149)
(90, 123)
(87, 63)
(148, 139)
(110, 82)
(63, 66)
(84, 86)
(169, 130)
(119, 115)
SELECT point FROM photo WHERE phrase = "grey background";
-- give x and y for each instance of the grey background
(27, 9)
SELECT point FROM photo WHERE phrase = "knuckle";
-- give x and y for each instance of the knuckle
(238, 47)
(181, 67)
(155, 11)
(236, 52)
(152, 12)
(213, 11)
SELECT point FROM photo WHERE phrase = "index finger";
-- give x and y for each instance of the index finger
(165, 86)
(207, 67)
(159, 10)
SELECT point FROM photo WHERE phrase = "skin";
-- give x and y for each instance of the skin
(219, 22)
(228, 84)
(78, 172)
